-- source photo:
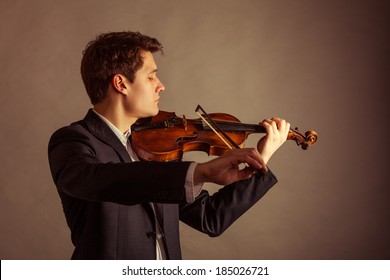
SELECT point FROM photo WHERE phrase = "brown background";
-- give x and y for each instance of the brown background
(322, 65)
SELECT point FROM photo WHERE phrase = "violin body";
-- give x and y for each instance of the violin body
(166, 137)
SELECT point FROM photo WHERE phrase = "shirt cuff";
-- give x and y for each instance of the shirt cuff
(191, 190)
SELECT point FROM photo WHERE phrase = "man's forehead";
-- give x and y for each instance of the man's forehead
(149, 63)
(148, 59)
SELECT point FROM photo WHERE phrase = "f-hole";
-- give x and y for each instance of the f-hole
(184, 138)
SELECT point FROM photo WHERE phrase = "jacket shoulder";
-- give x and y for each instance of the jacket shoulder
(74, 131)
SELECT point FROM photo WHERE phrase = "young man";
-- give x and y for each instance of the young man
(118, 207)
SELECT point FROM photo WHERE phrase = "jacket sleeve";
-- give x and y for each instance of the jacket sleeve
(79, 171)
(214, 214)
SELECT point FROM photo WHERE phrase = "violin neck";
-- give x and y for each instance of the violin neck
(238, 127)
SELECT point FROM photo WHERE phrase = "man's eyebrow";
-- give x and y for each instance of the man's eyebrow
(153, 71)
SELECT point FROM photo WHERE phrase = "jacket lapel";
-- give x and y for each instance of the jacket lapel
(102, 131)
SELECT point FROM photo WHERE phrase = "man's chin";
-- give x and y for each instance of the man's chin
(150, 114)
(155, 112)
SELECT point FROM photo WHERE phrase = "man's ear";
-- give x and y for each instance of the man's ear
(118, 82)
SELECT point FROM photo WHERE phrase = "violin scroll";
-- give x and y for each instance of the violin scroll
(304, 141)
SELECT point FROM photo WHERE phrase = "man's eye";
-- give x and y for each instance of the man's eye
(151, 78)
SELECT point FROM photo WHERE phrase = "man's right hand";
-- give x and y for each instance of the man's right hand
(226, 169)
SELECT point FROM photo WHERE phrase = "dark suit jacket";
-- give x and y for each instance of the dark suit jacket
(106, 197)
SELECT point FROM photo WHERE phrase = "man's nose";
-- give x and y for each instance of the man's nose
(160, 86)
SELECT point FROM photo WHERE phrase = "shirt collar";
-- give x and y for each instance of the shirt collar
(122, 136)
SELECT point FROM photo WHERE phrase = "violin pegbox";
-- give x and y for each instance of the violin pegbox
(304, 141)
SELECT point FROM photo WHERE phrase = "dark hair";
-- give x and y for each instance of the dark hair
(110, 54)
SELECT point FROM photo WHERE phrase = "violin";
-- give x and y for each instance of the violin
(166, 137)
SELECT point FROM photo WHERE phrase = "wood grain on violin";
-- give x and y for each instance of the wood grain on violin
(166, 137)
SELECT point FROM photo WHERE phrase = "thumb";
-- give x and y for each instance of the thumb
(245, 173)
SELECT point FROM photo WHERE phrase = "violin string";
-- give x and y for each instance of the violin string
(231, 125)
(215, 127)
(216, 132)
(219, 135)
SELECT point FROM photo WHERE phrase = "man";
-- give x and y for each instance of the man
(118, 207)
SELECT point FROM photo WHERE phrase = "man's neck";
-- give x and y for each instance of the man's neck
(115, 115)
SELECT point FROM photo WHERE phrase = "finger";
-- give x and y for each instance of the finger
(265, 121)
(274, 124)
(246, 173)
(253, 158)
(263, 164)
(288, 125)
(256, 155)
(252, 162)
(284, 127)
(282, 124)
(267, 125)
